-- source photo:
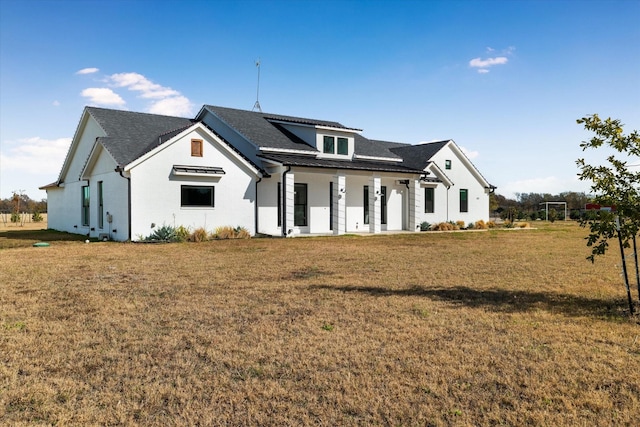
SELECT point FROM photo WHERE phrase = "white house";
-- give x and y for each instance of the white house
(128, 172)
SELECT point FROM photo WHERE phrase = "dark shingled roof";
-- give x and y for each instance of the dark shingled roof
(130, 135)
(313, 162)
(259, 129)
(374, 148)
(418, 156)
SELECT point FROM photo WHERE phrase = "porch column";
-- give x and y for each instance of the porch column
(415, 204)
(289, 191)
(339, 200)
(375, 204)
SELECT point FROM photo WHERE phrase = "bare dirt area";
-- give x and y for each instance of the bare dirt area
(435, 329)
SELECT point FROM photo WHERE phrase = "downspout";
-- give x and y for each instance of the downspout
(119, 169)
(448, 187)
(256, 207)
(406, 184)
(284, 201)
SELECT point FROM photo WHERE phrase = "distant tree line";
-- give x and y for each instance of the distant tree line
(21, 203)
(531, 207)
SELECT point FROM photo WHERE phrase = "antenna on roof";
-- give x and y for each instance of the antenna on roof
(256, 106)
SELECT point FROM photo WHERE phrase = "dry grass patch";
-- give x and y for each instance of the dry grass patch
(492, 328)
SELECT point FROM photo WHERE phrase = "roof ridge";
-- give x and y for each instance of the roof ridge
(90, 107)
(287, 118)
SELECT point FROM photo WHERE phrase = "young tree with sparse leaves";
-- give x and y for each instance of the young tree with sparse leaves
(613, 184)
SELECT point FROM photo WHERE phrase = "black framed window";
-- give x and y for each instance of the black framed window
(447, 164)
(279, 203)
(383, 204)
(464, 200)
(300, 205)
(365, 204)
(197, 196)
(330, 205)
(328, 145)
(429, 194)
(343, 146)
(100, 206)
(85, 204)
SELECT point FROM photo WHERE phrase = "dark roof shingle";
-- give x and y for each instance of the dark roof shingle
(418, 156)
(130, 134)
(264, 130)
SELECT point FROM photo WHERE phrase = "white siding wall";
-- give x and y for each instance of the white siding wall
(114, 197)
(462, 177)
(156, 193)
(63, 208)
(268, 205)
(64, 204)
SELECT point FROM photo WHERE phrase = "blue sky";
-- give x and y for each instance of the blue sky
(505, 79)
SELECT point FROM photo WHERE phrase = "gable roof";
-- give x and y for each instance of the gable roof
(130, 134)
(418, 156)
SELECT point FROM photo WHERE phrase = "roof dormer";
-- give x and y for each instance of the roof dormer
(334, 145)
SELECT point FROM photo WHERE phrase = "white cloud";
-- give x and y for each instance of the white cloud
(164, 100)
(34, 155)
(470, 154)
(87, 71)
(139, 83)
(102, 96)
(174, 106)
(56, 103)
(483, 65)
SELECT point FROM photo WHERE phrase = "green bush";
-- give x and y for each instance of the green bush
(182, 233)
(425, 226)
(37, 217)
(15, 217)
(166, 233)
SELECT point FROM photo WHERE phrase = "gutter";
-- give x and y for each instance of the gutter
(119, 169)
(256, 207)
(448, 187)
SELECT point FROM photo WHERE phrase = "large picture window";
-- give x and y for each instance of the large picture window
(464, 200)
(300, 205)
(196, 196)
(429, 193)
(85, 205)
